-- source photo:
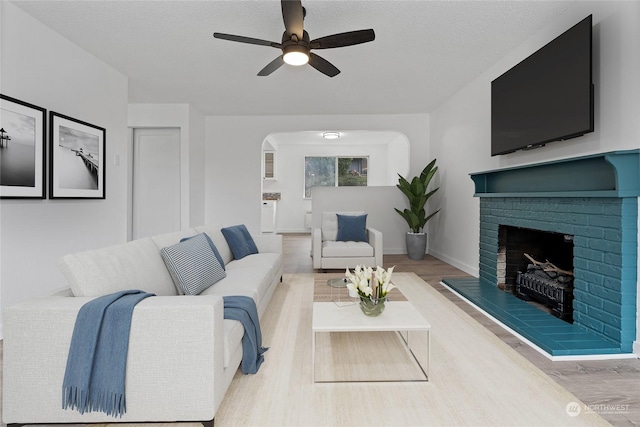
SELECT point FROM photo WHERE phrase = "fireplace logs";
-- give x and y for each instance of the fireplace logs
(549, 285)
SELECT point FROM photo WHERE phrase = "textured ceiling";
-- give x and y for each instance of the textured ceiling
(423, 53)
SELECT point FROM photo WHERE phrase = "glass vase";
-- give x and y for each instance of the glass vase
(372, 307)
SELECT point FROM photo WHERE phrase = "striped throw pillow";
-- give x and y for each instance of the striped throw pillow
(193, 265)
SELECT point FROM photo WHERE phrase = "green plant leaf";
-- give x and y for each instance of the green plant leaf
(417, 195)
(430, 216)
(404, 215)
(428, 172)
(418, 203)
(430, 193)
(417, 187)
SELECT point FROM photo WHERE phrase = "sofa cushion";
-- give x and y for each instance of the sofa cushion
(193, 265)
(168, 239)
(352, 228)
(249, 279)
(270, 260)
(346, 249)
(132, 265)
(251, 282)
(240, 241)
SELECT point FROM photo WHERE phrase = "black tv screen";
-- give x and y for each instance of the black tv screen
(546, 97)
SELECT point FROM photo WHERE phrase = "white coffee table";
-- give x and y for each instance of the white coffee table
(398, 316)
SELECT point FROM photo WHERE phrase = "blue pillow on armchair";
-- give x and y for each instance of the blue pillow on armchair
(240, 241)
(352, 228)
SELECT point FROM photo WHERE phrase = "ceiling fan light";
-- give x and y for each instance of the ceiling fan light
(295, 55)
(331, 135)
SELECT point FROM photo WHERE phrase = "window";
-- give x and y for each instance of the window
(334, 172)
(269, 165)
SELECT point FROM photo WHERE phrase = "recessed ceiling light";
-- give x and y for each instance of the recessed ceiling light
(331, 135)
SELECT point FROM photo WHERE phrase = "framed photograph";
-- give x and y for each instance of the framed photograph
(22, 149)
(76, 156)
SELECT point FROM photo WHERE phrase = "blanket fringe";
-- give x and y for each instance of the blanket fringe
(112, 404)
(74, 398)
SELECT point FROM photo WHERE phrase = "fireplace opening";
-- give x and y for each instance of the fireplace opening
(537, 266)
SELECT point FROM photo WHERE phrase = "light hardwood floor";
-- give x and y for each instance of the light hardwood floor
(599, 383)
(610, 387)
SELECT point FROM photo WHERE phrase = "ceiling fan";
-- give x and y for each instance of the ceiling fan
(296, 45)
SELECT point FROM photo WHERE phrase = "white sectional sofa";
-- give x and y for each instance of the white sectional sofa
(182, 353)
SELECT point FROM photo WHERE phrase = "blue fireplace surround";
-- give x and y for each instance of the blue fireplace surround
(595, 199)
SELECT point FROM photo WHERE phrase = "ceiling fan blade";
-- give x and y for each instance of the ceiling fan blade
(272, 66)
(293, 17)
(249, 40)
(322, 65)
(343, 39)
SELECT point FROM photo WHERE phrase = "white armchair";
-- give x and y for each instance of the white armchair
(330, 253)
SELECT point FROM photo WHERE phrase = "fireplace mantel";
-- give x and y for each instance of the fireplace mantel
(594, 199)
(613, 174)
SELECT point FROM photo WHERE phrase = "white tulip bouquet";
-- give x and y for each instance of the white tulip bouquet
(369, 283)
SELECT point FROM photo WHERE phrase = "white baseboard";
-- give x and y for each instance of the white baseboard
(473, 271)
(294, 231)
(636, 348)
(394, 251)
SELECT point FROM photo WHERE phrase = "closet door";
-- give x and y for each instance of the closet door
(156, 181)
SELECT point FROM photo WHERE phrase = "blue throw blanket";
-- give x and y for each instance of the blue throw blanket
(96, 365)
(242, 308)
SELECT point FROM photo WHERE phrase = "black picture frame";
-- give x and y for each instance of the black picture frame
(22, 149)
(76, 158)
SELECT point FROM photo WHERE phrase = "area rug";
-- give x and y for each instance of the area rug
(344, 356)
(322, 292)
(476, 379)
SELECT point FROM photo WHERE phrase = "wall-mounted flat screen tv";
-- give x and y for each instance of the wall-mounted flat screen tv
(546, 97)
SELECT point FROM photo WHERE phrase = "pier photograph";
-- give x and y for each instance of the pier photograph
(21, 149)
(77, 158)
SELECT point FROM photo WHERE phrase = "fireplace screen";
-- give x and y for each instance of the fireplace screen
(548, 284)
(538, 265)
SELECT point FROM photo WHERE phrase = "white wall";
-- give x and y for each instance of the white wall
(290, 171)
(192, 151)
(197, 150)
(461, 135)
(41, 67)
(395, 154)
(234, 150)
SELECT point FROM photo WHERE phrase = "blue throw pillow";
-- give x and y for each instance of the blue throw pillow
(352, 228)
(213, 248)
(192, 265)
(240, 241)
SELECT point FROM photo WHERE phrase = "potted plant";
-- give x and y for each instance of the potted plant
(371, 286)
(416, 217)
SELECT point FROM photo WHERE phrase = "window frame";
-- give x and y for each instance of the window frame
(336, 172)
